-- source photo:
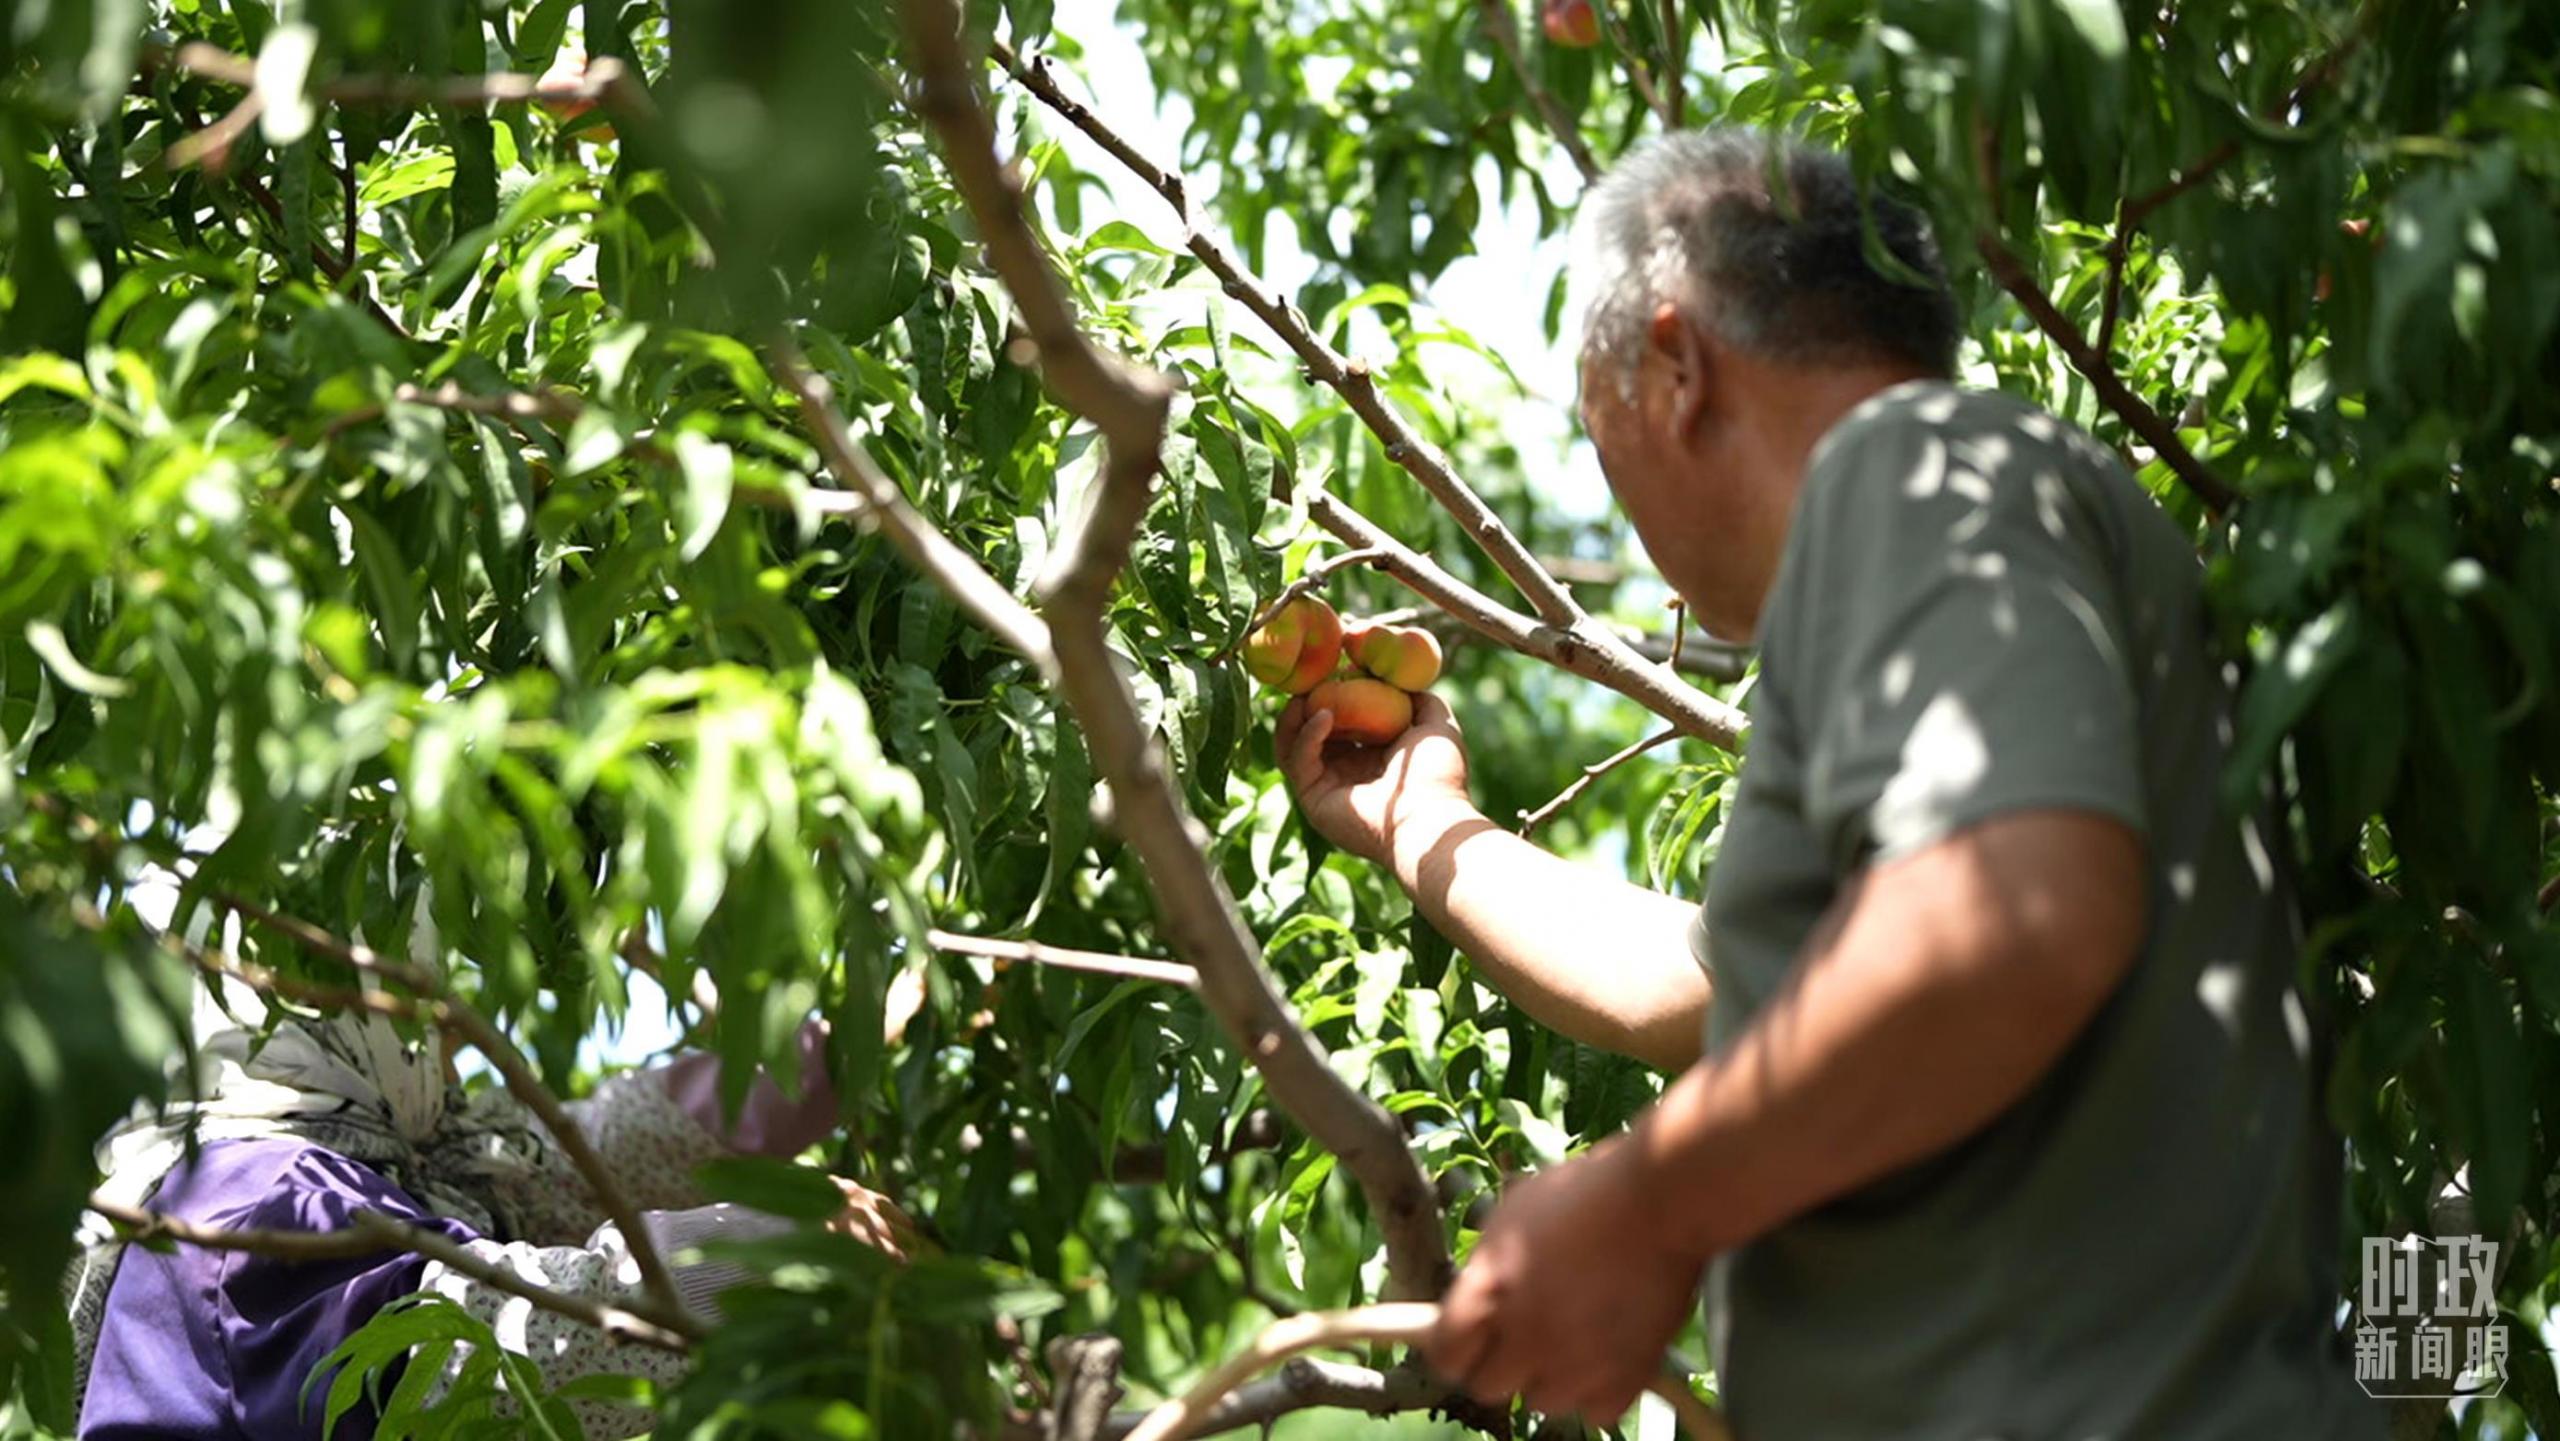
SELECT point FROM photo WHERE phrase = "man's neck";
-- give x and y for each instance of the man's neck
(1792, 408)
(1799, 405)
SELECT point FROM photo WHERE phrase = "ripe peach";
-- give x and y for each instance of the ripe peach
(1368, 711)
(1297, 648)
(1570, 23)
(1404, 656)
(568, 70)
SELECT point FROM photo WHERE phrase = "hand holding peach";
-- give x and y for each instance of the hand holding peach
(1371, 712)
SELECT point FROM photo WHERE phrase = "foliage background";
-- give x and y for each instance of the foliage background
(277, 590)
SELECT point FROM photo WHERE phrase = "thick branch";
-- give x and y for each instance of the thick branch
(215, 63)
(372, 1231)
(925, 548)
(1172, 973)
(1401, 1324)
(1404, 445)
(1304, 1383)
(1504, 27)
(1531, 820)
(1200, 918)
(1127, 404)
(513, 1070)
(1612, 664)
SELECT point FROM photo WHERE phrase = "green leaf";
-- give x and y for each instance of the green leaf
(387, 579)
(778, 1188)
(710, 473)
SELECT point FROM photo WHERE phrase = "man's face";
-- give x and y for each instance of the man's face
(1671, 464)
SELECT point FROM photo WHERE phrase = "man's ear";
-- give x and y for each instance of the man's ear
(1690, 360)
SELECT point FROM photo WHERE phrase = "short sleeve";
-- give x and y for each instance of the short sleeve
(1954, 643)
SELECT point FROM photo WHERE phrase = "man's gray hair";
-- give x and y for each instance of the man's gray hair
(1690, 218)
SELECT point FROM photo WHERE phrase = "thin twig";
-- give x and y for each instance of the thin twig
(1316, 575)
(1679, 608)
(368, 1232)
(1531, 820)
(1200, 919)
(926, 548)
(513, 1070)
(1405, 1323)
(2134, 211)
(1674, 48)
(2138, 414)
(1624, 48)
(1616, 665)
(347, 222)
(1405, 446)
(2549, 899)
(1504, 27)
(1103, 963)
(211, 146)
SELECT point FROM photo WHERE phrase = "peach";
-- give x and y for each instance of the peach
(569, 70)
(1297, 648)
(1404, 656)
(1570, 23)
(1368, 711)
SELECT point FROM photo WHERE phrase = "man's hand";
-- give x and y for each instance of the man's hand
(1358, 796)
(877, 1222)
(1571, 1295)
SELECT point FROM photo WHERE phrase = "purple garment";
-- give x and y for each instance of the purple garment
(204, 1345)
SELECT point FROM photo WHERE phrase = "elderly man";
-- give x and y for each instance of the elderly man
(2006, 1124)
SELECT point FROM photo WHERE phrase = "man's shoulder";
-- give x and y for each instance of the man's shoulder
(1931, 458)
(1984, 431)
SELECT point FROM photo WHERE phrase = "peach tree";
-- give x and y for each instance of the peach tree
(763, 525)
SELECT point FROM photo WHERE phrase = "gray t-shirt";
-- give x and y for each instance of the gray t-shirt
(1979, 612)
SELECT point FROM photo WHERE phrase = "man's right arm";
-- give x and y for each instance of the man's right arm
(1583, 952)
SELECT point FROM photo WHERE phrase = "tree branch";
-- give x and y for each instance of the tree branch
(925, 548)
(372, 1231)
(1200, 917)
(2155, 429)
(2133, 212)
(1350, 378)
(1674, 50)
(1088, 1372)
(1172, 973)
(2138, 415)
(1128, 405)
(513, 1070)
(1504, 27)
(1531, 820)
(212, 62)
(1317, 573)
(1398, 1323)
(1624, 48)
(1303, 1384)
(1615, 665)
